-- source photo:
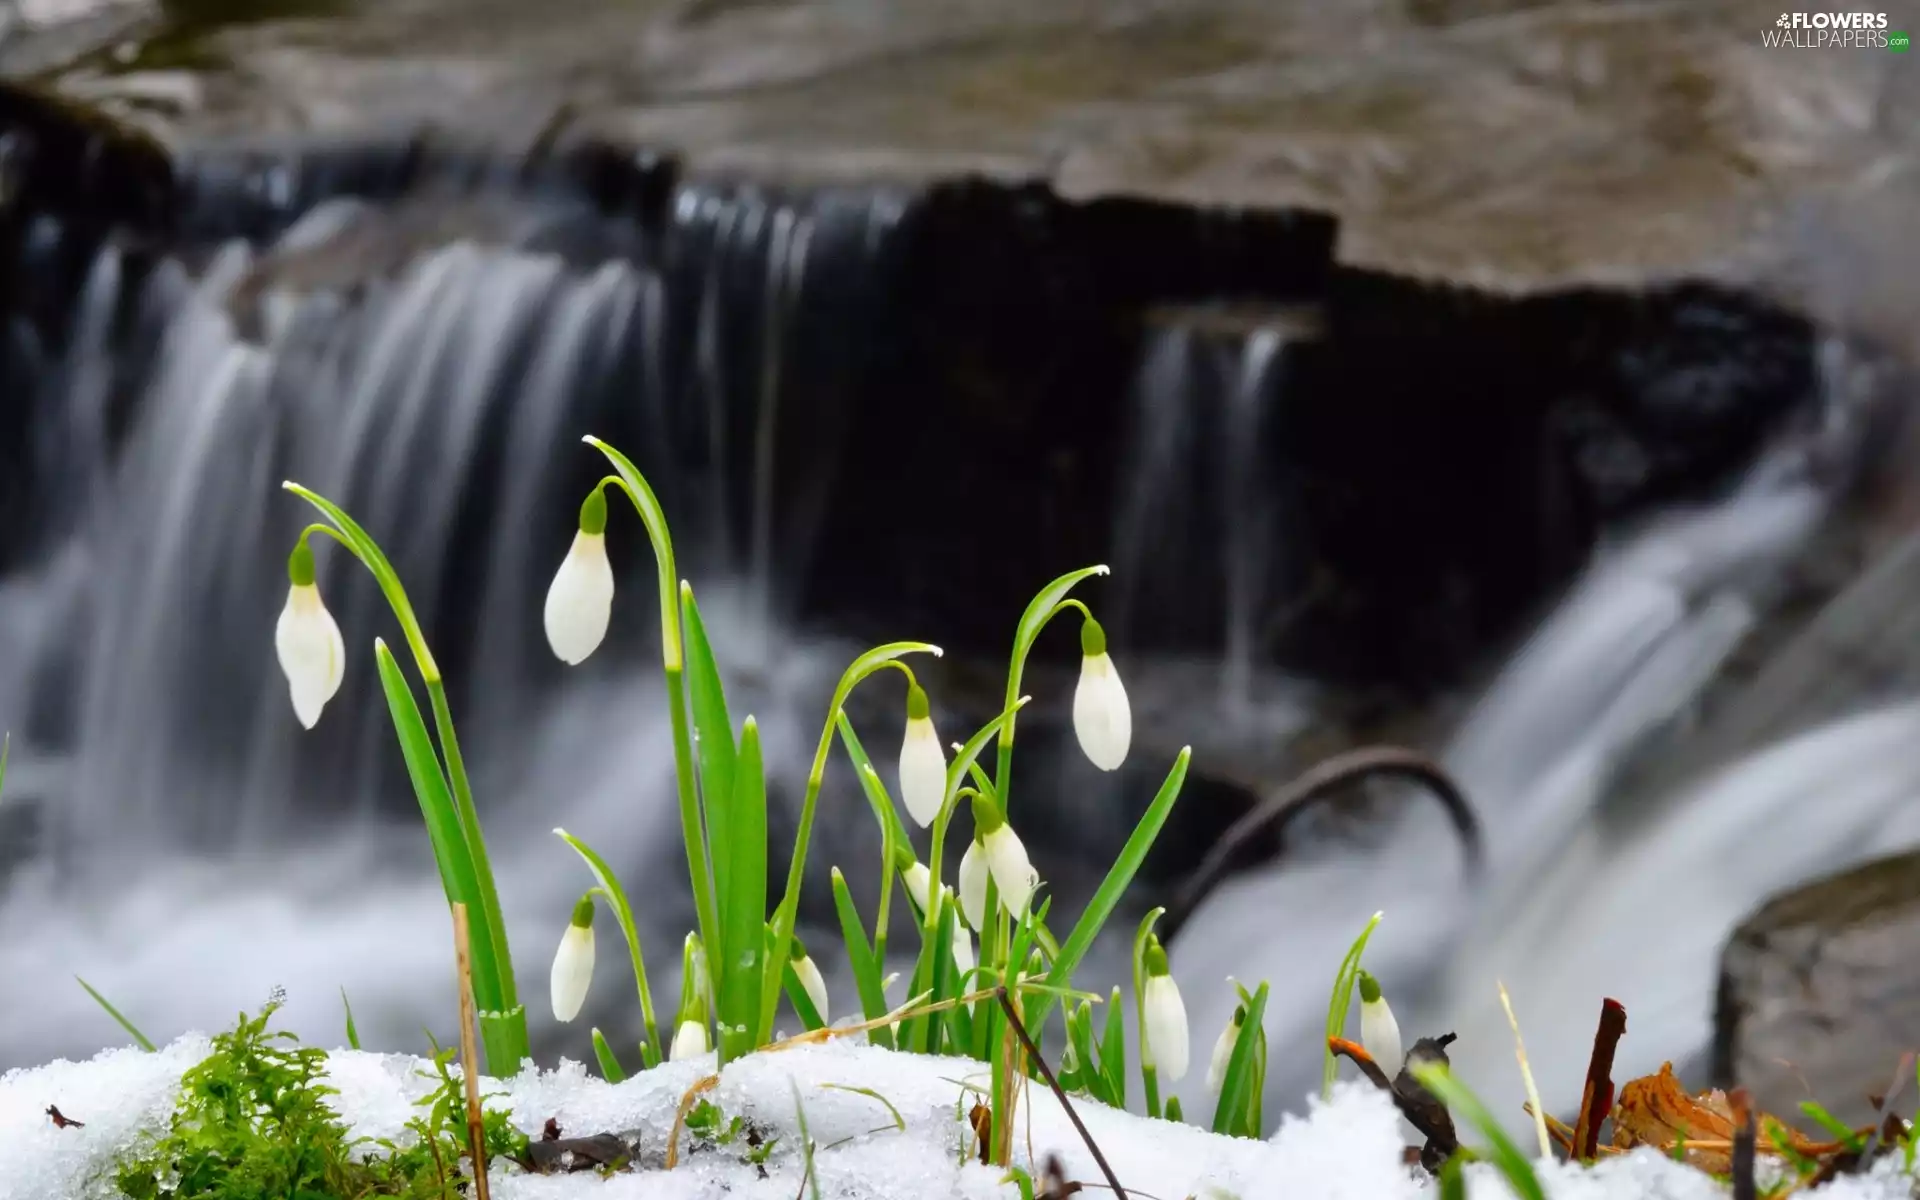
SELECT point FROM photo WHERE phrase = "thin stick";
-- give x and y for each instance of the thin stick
(1277, 809)
(1526, 1075)
(1745, 1186)
(1596, 1098)
(469, 1056)
(1026, 1042)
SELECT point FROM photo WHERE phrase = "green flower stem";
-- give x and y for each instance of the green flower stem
(1040, 610)
(788, 910)
(500, 993)
(623, 916)
(692, 831)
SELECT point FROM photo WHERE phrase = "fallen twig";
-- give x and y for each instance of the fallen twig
(1745, 1186)
(1046, 1072)
(1526, 1075)
(1419, 1106)
(1278, 808)
(61, 1121)
(469, 1056)
(1596, 1098)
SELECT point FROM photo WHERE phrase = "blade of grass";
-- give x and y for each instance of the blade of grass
(884, 810)
(1114, 886)
(610, 1068)
(1505, 1155)
(745, 928)
(1342, 999)
(353, 1035)
(1237, 1084)
(139, 1039)
(6, 744)
(1526, 1076)
(716, 754)
(866, 968)
(1113, 1050)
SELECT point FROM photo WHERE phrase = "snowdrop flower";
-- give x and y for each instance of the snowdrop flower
(808, 974)
(923, 764)
(1163, 1016)
(973, 884)
(963, 959)
(1223, 1050)
(1379, 1032)
(915, 877)
(307, 639)
(689, 1040)
(1101, 719)
(580, 599)
(1007, 860)
(573, 963)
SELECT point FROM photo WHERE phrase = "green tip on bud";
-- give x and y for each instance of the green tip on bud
(917, 707)
(1239, 1015)
(797, 952)
(300, 564)
(593, 513)
(583, 913)
(1369, 989)
(986, 816)
(1093, 639)
(902, 857)
(1154, 958)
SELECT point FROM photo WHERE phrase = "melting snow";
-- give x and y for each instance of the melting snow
(1346, 1149)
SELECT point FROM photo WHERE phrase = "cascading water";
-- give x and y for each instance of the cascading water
(1589, 893)
(196, 846)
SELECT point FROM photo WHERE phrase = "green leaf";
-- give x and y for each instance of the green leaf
(884, 810)
(450, 848)
(353, 1035)
(1340, 1001)
(1841, 1131)
(655, 519)
(1113, 1050)
(716, 751)
(1505, 1154)
(610, 1068)
(745, 931)
(866, 970)
(140, 1039)
(623, 915)
(1240, 1080)
(1119, 878)
(899, 1122)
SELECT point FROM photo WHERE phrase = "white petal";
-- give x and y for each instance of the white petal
(963, 950)
(1012, 870)
(312, 654)
(973, 886)
(1222, 1055)
(918, 882)
(1101, 718)
(689, 1041)
(580, 599)
(572, 972)
(1166, 1020)
(923, 772)
(1380, 1036)
(816, 988)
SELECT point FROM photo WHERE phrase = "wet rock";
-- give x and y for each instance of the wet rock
(1820, 991)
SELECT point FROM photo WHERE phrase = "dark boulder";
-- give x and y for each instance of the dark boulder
(1820, 991)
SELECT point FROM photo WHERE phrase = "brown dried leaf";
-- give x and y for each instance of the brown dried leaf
(1655, 1110)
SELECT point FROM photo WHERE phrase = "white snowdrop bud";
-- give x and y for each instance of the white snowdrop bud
(973, 885)
(808, 973)
(1379, 1032)
(1101, 719)
(963, 959)
(1164, 1016)
(1007, 860)
(307, 640)
(1223, 1050)
(580, 599)
(689, 1041)
(923, 764)
(573, 963)
(915, 878)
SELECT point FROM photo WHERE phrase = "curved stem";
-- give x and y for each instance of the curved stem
(1042, 609)
(692, 828)
(476, 840)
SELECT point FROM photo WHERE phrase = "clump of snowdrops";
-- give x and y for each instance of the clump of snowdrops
(744, 956)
